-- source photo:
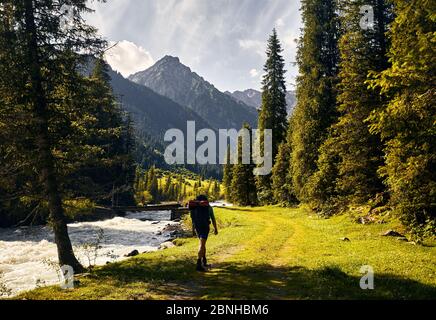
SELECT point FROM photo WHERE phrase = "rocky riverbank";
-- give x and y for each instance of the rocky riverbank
(28, 254)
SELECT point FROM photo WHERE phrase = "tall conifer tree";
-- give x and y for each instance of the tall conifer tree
(273, 114)
(282, 188)
(407, 123)
(243, 184)
(227, 176)
(351, 156)
(318, 59)
(41, 49)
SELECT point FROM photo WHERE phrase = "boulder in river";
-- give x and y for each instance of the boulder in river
(133, 253)
(172, 228)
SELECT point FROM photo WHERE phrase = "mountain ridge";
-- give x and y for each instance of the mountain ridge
(253, 98)
(174, 80)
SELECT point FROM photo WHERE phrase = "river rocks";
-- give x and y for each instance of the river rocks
(392, 233)
(166, 245)
(366, 219)
(171, 227)
(132, 254)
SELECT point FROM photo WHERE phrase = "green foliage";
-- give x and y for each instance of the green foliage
(321, 187)
(76, 207)
(227, 176)
(407, 124)
(56, 119)
(157, 185)
(42, 45)
(350, 156)
(243, 186)
(282, 189)
(273, 114)
(318, 59)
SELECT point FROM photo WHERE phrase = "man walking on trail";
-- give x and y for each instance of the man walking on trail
(201, 215)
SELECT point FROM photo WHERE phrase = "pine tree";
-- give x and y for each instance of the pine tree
(40, 81)
(351, 156)
(126, 176)
(110, 168)
(166, 190)
(195, 191)
(315, 112)
(216, 190)
(184, 194)
(153, 184)
(406, 124)
(227, 176)
(243, 184)
(179, 191)
(209, 188)
(273, 114)
(283, 192)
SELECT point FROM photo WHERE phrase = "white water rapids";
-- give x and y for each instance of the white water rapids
(24, 251)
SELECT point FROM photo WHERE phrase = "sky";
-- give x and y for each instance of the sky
(224, 41)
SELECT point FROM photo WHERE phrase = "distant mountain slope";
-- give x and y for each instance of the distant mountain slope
(253, 98)
(151, 112)
(176, 81)
(153, 115)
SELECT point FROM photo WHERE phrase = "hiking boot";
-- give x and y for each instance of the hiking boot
(204, 261)
(199, 266)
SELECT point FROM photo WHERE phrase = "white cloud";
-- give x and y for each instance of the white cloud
(128, 58)
(280, 22)
(199, 33)
(254, 73)
(257, 46)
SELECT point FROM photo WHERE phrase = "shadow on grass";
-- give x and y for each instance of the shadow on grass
(177, 279)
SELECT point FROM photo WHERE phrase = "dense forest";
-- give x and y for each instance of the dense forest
(362, 133)
(156, 185)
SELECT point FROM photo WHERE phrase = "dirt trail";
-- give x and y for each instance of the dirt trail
(270, 246)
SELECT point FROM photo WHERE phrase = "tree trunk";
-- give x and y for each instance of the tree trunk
(46, 161)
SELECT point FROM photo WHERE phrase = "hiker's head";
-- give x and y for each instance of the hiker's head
(201, 197)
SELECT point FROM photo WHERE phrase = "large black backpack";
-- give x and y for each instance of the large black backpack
(199, 214)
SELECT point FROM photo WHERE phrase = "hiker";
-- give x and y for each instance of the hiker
(201, 215)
